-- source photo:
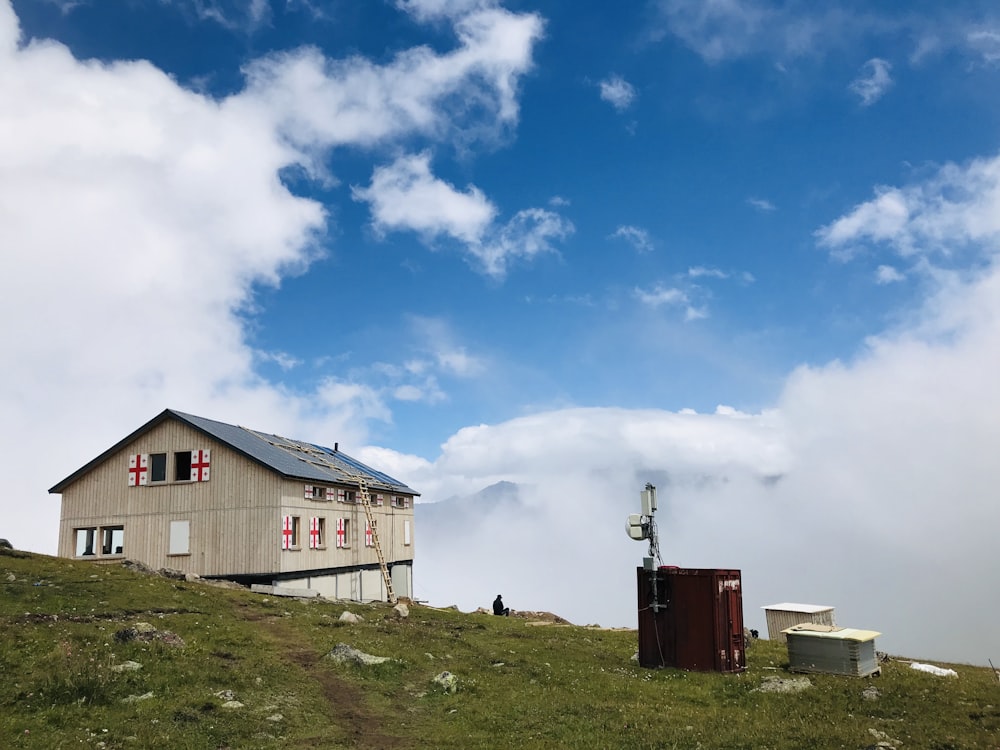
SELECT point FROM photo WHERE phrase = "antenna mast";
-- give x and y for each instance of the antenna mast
(641, 526)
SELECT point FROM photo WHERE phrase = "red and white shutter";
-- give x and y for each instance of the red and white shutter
(200, 465)
(379, 499)
(287, 532)
(313, 533)
(368, 534)
(341, 535)
(308, 492)
(341, 496)
(138, 469)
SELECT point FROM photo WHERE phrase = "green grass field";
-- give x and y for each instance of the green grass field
(518, 685)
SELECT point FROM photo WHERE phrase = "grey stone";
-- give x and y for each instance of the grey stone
(137, 698)
(350, 617)
(343, 653)
(401, 611)
(126, 666)
(232, 704)
(448, 681)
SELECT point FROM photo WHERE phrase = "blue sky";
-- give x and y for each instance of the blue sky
(726, 240)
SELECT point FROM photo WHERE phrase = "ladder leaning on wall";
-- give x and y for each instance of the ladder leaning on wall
(366, 503)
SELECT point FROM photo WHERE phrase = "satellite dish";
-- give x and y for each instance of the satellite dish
(635, 528)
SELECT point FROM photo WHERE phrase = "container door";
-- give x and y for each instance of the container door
(736, 638)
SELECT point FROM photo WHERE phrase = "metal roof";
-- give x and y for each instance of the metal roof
(838, 634)
(290, 458)
(809, 609)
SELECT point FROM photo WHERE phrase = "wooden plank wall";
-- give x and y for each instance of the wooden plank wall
(389, 522)
(232, 515)
(235, 517)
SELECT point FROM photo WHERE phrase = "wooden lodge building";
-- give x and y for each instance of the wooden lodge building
(222, 501)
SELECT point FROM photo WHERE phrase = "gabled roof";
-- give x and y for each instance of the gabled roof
(292, 459)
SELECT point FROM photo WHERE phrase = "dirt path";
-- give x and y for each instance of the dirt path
(346, 702)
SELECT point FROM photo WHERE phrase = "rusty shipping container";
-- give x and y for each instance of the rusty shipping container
(693, 620)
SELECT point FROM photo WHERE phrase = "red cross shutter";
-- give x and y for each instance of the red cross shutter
(138, 469)
(308, 492)
(286, 533)
(200, 465)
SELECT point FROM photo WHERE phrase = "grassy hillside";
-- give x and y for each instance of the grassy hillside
(68, 628)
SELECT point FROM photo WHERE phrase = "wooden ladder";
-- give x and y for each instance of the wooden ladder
(366, 503)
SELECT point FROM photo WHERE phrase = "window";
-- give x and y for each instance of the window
(343, 532)
(180, 538)
(318, 493)
(85, 542)
(378, 499)
(317, 533)
(182, 466)
(158, 467)
(290, 532)
(112, 540)
(400, 502)
(346, 496)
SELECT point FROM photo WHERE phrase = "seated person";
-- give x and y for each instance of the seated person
(499, 609)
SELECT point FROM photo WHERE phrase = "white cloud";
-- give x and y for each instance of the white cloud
(883, 218)
(955, 211)
(243, 16)
(696, 272)
(426, 10)
(470, 90)
(636, 236)
(892, 454)
(434, 337)
(762, 204)
(887, 275)
(719, 29)
(659, 295)
(986, 44)
(873, 81)
(282, 359)
(406, 196)
(138, 218)
(618, 92)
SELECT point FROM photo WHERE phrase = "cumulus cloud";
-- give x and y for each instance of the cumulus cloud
(953, 213)
(405, 196)
(618, 92)
(873, 81)
(472, 89)
(636, 236)
(880, 470)
(139, 217)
